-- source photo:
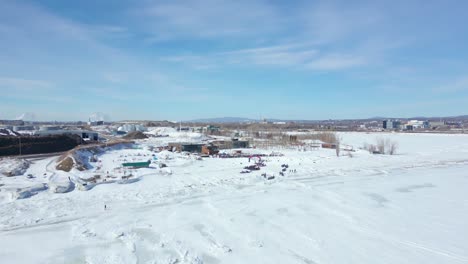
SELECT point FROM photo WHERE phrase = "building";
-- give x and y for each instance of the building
(85, 135)
(231, 144)
(210, 149)
(49, 128)
(417, 124)
(213, 129)
(189, 147)
(329, 145)
(453, 124)
(240, 143)
(118, 133)
(12, 122)
(23, 128)
(95, 123)
(391, 124)
(438, 125)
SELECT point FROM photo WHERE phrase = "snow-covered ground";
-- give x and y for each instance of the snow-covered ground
(407, 208)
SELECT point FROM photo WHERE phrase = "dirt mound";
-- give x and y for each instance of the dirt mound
(135, 135)
(68, 163)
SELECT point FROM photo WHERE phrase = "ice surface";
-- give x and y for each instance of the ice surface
(406, 208)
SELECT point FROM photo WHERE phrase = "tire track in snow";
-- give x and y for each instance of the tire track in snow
(412, 244)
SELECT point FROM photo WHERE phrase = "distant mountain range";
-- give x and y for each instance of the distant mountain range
(223, 120)
(248, 120)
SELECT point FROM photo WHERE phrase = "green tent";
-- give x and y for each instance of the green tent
(143, 164)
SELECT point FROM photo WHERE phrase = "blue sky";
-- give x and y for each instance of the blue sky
(181, 60)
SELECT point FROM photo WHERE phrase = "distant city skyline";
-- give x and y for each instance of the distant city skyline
(184, 60)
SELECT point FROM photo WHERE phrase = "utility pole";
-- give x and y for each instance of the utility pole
(19, 145)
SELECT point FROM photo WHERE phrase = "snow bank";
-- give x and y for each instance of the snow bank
(166, 155)
(162, 131)
(61, 186)
(177, 136)
(8, 132)
(13, 167)
(27, 192)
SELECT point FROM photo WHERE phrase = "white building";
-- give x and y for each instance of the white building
(417, 124)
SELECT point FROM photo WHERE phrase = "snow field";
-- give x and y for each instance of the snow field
(406, 208)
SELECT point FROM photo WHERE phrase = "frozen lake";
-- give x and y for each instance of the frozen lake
(406, 208)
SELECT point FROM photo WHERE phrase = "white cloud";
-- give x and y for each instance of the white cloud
(293, 55)
(337, 62)
(282, 55)
(115, 77)
(210, 18)
(326, 22)
(299, 56)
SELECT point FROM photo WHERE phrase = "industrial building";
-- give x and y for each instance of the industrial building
(231, 144)
(184, 146)
(208, 148)
(417, 124)
(12, 122)
(95, 123)
(86, 135)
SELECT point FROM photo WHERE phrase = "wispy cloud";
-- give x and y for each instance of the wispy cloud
(326, 21)
(170, 51)
(210, 18)
(281, 55)
(8, 84)
(459, 84)
(337, 62)
(300, 56)
(277, 55)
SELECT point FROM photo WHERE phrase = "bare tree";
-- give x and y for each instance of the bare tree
(381, 145)
(392, 147)
(370, 147)
(338, 147)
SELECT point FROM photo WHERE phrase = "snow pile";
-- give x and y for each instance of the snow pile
(178, 136)
(78, 159)
(29, 191)
(61, 183)
(61, 187)
(165, 171)
(8, 132)
(188, 137)
(135, 135)
(13, 167)
(167, 155)
(132, 128)
(162, 131)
